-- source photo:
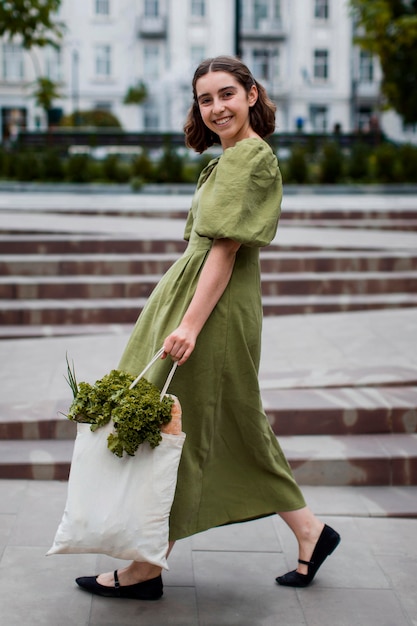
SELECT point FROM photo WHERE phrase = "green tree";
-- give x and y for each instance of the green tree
(33, 23)
(136, 94)
(32, 20)
(388, 29)
(45, 93)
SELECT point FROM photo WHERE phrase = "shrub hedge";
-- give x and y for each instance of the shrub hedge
(385, 163)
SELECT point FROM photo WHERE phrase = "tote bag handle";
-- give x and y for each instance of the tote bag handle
(151, 362)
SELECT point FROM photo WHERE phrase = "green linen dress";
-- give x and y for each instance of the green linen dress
(232, 468)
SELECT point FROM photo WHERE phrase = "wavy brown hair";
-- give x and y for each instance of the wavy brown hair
(261, 114)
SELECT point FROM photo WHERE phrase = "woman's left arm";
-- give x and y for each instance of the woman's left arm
(213, 280)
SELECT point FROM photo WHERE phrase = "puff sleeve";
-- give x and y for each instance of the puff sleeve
(241, 197)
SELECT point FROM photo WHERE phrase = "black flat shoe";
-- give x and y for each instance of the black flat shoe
(326, 544)
(147, 590)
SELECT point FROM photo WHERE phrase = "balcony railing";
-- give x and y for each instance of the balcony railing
(263, 29)
(152, 26)
(369, 90)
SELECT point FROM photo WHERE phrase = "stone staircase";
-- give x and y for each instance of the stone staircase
(69, 284)
(57, 285)
(339, 436)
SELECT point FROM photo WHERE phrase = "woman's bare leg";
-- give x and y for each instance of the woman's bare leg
(134, 573)
(307, 529)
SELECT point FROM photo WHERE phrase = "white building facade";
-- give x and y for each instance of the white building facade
(301, 50)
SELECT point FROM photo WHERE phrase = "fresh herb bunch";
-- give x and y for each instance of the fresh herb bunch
(137, 413)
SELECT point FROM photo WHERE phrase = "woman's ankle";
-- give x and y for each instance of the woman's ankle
(139, 571)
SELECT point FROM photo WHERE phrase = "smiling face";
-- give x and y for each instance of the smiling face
(224, 106)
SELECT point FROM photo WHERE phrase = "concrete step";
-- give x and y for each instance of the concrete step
(316, 460)
(129, 243)
(356, 460)
(157, 262)
(15, 331)
(134, 286)
(337, 261)
(80, 243)
(311, 411)
(158, 208)
(338, 283)
(342, 410)
(333, 211)
(126, 310)
(362, 224)
(37, 460)
(50, 244)
(86, 264)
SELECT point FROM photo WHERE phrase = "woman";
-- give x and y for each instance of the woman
(207, 314)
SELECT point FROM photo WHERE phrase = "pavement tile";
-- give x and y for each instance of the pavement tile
(332, 500)
(401, 571)
(7, 522)
(177, 607)
(39, 514)
(222, 569)
(358, 606)
(393, 502)
(35, 590)
(389, 536)
(12, 495)
(256, 536)
(238, 604)
(238, 588)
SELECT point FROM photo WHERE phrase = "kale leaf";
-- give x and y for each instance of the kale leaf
(137, 413)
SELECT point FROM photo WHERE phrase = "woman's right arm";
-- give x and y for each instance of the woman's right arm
(213, 280)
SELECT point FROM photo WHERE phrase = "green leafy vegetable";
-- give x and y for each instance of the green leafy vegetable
(71, 380)
(137, 413)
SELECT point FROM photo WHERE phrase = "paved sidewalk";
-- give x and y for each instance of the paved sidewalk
(221, 577)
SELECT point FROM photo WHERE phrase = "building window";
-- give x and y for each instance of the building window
(197, 54)
(103, 61)
(319, 118)
(266, 11)
(321, 65)
(151, 62)
(151, 8)
(364, 115)
(366, 67)
(321, 9)
(198, 8)
(150, 116)
(102, 7)
(12, 62)
(266, 64)
(103, 106)
(53, 64)
(185, 102)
